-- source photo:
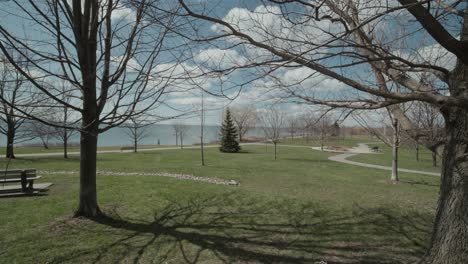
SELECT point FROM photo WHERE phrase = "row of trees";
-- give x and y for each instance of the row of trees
(109, 64)
(17, 92)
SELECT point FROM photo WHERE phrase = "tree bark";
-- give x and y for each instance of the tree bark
(10, 143)
(434, 159)
(449, 241)
(88, 206)
(396, 142)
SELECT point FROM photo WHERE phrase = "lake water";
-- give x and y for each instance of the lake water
(164, 133)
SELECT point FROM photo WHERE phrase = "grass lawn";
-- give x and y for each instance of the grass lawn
(406, 160)
(301, 208)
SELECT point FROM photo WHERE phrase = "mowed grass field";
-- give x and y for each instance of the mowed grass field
(301, 208)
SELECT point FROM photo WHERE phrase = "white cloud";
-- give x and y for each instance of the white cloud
(213, 58)
(267, 24)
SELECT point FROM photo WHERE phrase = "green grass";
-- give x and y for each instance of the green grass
(301, 208)
(348, 141)
(406, 158)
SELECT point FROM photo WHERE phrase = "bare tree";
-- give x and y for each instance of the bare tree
(176, 127)
(245, 117)
(324, 125)
(273, 122)
(180, 130)
(293, 124)
(346, 40)
(136, 128)
(106, 51)
(15, 92)
(42, 131)
(64, 118)
(429, 122)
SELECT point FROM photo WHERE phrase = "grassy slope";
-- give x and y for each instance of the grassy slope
(300, 208)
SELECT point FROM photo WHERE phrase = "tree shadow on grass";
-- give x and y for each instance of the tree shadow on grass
(421, 182)
(231, 228)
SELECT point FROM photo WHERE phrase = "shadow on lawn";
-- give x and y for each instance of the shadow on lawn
(228, 228)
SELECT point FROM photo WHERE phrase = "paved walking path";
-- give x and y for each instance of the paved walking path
(362, 148)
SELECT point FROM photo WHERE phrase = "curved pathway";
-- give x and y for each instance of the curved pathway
(362, 148)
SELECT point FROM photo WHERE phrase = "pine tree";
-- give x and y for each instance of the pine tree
(229, 135)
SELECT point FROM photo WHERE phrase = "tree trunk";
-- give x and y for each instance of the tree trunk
(417, 151)
(65, 143)
(274, 143)
(449, 241)
(181, 141)
(434, 159)
(65, 133)
(88, 206)
(321, 140)
(396, 142)
(10, 143)
(45, 143)
(135, 140)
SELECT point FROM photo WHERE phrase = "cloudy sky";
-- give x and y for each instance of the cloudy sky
(193, 66)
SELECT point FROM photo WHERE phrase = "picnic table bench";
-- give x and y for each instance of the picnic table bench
(26, 177)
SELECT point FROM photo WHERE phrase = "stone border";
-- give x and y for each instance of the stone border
(160, 174)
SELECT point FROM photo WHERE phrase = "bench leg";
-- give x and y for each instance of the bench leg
(30, 186)
(24, 182)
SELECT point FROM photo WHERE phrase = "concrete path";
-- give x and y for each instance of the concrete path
(107, 151)
(362, 148)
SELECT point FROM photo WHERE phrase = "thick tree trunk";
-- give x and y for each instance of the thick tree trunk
(449, 243)
(10, 143)
(88, 206)
(434, 159)
(396, 143)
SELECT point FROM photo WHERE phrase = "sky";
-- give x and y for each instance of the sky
(180, 57)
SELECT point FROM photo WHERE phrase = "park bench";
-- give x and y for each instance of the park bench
(26, 177)
(375, 149)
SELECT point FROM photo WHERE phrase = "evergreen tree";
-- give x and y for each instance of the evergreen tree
(229, 135)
